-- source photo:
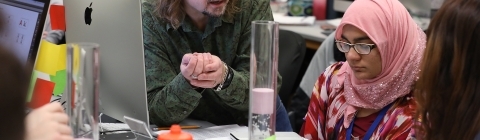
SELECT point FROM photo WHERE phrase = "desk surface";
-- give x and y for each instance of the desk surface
(309, 32)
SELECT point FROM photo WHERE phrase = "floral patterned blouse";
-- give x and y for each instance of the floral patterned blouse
(328, 104)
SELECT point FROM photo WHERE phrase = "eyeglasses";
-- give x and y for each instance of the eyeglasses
(360, 48)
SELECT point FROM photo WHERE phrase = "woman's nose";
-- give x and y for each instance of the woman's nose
(352, 54)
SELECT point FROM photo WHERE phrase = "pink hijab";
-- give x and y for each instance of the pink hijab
(400, 43)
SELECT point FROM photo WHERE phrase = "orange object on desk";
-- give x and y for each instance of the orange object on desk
(175, 133)
(183, 127)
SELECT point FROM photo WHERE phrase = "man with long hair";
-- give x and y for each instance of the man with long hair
(448, 91)
(198, 60)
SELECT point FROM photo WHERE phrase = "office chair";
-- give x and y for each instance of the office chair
(324, 57)
(291, 54)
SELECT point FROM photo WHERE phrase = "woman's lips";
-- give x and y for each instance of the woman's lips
(356, 68)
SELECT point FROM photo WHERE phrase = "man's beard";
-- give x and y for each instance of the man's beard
(207, 13)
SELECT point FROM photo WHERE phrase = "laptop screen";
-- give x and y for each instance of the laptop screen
(23, 27)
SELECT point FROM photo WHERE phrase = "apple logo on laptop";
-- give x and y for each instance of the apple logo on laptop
(88, 14)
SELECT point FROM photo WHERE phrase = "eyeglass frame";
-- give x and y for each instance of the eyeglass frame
(371, 46)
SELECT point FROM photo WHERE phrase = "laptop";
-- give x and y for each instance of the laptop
(23, 27)
(116, 25)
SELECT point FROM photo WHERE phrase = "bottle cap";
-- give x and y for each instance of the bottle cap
(175, 133)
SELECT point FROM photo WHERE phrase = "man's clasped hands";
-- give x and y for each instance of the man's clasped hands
(202, 70)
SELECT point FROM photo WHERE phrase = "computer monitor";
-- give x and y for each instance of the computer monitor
(336, 8)
(415, 7)
(341, 5)
(116, 25)
(23, 27)
(434, 6)
(418, 8)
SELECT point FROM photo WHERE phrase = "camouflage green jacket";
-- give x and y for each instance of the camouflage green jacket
(171, 99)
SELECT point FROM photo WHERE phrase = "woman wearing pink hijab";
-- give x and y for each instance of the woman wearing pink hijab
(370, 95)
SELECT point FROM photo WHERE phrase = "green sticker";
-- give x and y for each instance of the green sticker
(33, 80)
(273, 137)
(60, 81)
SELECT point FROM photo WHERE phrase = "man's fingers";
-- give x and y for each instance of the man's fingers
(213, 66)
(186, 58)
(204, 83)
(191, 66)
(200, 64)
(209, 76)
(210, 58)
